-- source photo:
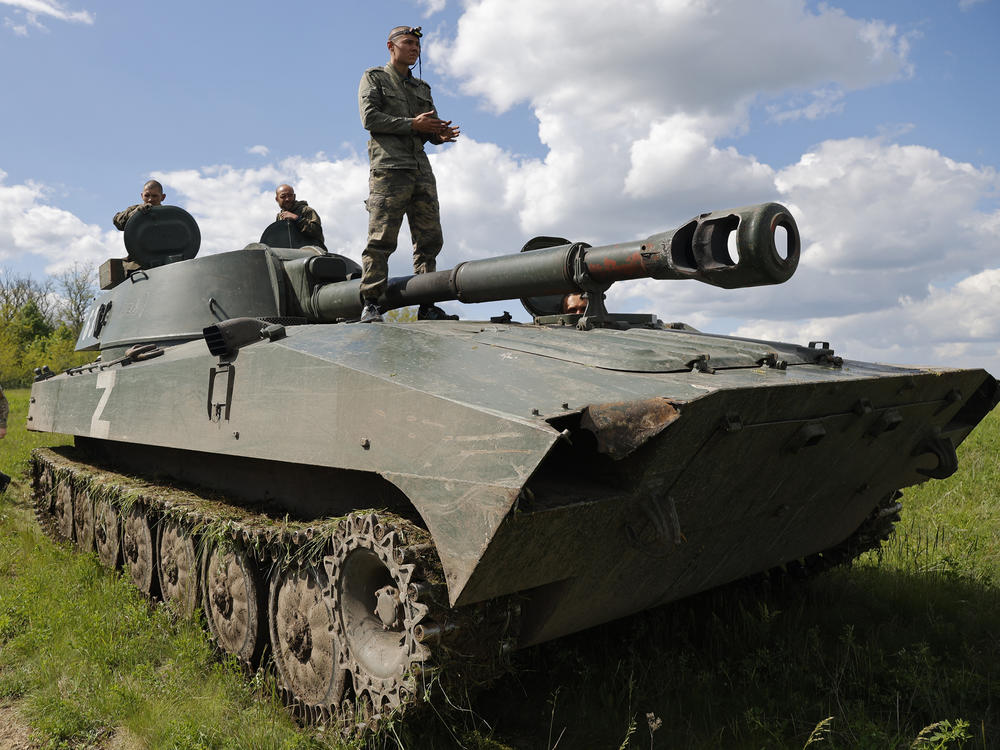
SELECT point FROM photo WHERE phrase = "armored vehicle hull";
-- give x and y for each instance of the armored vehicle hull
(396, 494)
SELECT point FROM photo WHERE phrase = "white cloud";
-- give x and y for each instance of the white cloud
(632, 99)
(679, 151)
(32, 9)
(233, 206)
(259, 150)
(898, 262)
(28, 225)
(954, 327)
(632, 149)
(20, 29)
(658, 57)
(432, 6)
(819, 104)
(870, 206)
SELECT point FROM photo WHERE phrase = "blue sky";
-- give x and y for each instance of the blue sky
(599, 121)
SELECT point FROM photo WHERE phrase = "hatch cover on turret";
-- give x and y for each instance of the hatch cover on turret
(161, 235)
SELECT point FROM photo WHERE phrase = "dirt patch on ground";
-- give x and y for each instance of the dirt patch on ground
(14, 732)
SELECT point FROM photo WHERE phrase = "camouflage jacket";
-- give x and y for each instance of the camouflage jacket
(4, 410)
(308, 222)
(388, 103)
(122, 217)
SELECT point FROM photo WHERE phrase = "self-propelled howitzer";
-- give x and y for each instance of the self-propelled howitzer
(530, 480)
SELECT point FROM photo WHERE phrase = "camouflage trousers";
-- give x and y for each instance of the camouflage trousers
(392, 193)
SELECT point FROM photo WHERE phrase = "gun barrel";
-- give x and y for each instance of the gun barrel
(701, 249)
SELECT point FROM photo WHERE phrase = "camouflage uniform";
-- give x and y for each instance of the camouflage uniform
(122, 217)
(401, 181)
(308, 222)
(120, 220)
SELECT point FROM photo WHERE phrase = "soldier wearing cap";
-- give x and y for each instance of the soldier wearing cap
(397, 110)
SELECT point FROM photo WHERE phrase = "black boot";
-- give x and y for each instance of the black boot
(4, 481)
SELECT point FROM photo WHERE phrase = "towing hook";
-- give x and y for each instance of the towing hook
(944, 449)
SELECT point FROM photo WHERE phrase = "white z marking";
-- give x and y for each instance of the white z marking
(101, 428)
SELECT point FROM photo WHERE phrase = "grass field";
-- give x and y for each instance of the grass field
(900, 650)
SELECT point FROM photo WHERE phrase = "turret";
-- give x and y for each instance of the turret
(176, 301)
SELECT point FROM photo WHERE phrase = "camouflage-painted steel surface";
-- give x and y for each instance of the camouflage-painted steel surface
(465, 419)
(594, 472)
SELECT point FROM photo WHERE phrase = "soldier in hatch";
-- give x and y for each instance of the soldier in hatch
(397, 110)
(152, 195)
(305, 217)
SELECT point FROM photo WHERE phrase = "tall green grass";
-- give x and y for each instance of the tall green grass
(951, 529)
(88, 659)
(900, 650)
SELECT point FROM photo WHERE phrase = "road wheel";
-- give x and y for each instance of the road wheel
(303, 645)
(107, 534)
(140, 551)
(233, 598)
(83, 521)
(63, 510)
(177, 565)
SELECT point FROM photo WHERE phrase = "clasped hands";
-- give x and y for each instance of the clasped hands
(428, 123)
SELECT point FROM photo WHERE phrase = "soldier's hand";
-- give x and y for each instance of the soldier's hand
(145, 208)
(289, 215)
(427, 123)
(449, 133)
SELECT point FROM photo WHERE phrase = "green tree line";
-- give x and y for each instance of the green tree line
(40, 322)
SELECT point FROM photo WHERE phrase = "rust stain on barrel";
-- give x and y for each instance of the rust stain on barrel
(615, 269)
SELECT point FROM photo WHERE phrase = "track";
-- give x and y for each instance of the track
(351, 613)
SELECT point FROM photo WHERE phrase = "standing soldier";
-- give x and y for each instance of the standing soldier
(4, 411)
(397, 110)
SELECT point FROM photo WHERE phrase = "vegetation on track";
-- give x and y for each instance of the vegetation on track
(898, 651)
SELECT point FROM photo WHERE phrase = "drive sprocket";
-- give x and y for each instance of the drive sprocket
(375, 597)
